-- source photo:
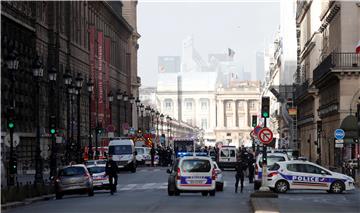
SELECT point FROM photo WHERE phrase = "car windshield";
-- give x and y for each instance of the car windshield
(72, 171)
(196, 165)
(101, 162)
(120, 150)
(272, 159)
(89, 163)
(96, 169)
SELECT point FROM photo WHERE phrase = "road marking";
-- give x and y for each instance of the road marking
(127, 187)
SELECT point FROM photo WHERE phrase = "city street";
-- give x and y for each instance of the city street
(146, 191)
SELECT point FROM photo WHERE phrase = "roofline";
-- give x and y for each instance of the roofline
(120, 18)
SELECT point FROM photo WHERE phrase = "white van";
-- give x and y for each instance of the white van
(122, 151)
(227, 157)
(143, 155)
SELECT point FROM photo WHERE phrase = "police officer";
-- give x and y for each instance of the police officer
(240, 167)
(111, 172)
(152, 154)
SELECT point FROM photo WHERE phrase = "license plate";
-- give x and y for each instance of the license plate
(197, 181)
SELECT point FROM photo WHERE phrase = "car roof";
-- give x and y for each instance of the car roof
(75, 165)
(98, 165)
(195, 157)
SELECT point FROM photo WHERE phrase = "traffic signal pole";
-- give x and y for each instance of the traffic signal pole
(265, 112)
(11, 177)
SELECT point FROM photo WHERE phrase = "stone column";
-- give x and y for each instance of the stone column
(234, 113)
(246, 113)
(221, 114)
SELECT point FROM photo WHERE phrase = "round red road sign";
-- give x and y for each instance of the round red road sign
(265, 135)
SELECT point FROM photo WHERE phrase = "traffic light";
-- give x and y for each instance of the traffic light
(254, 121)
(52, 125)
(13, 165)
(10, 118)
(99, 130)
(265, 107)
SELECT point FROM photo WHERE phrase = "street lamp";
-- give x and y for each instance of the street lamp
(162, 124)
(168, 119)
(67, 81)
(90, 88)
(137, 103)
(111, 99)
(72, 92)
(12, 64)
(125, 98)
(132, 101)
(119, 97)
(147, 113)
(38, 71)
(79, 84)
(152, 113)
(157, 114)
(142, 116)
(52, 119)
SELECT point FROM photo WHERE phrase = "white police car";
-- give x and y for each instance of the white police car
(298, 174)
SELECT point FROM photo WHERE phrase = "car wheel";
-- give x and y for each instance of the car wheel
(281, 186)
(204, 194)
(171, 193)
(91, 193)
(337, 187)
(59, 195)
(257, 185)
(212, 193)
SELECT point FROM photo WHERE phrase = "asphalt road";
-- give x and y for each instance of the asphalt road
(146, 191)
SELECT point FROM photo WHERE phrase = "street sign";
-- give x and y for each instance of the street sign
(339, 134)
(339, 143)
(16, 140)
(253, 135)
(257, 129)
(265, 135)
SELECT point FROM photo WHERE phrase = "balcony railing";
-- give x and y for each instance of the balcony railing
(336, 60)
(301, 89)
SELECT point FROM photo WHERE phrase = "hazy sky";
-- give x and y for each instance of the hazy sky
(244, 26)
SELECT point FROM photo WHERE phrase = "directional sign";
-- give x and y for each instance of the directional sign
(339, 134)
(339, 143)
(265, 135)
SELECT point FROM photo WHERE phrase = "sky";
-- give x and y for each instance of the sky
(244, 26)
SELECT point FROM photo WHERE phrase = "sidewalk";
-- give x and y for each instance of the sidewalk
(26, 202)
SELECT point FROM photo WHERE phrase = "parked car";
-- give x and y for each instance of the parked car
(298, 174)
(271, 159)
(95, 162)
(219, 178)
(192, 174)
(100, 180)
(73, 179)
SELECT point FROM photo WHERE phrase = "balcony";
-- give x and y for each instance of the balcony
(338, 61)
(301, 89)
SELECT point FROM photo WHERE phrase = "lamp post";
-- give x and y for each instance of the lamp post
(90, 88)
(111, 99)
(132, 101)
(162, 125)
(67, 81)
(147, 113)
(152, 113)
(119, 97)
(157, 114)
(168, 119)
(72, 92)
(52, 77)
(137, 103)
(12, 63)
(38, 72)
(125, 98)
(79, 84)
(142, 116)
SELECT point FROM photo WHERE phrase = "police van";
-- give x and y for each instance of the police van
(298, 174)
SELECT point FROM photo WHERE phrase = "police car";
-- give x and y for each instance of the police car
(192, 174)
(297, 174)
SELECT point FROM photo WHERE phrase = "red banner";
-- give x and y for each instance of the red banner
(100, 78)
(107, 77)
(92, 73)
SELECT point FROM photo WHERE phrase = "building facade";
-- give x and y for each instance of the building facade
(91, 38)
(328, 77)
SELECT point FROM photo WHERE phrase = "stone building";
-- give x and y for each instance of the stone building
(328, 76)
(88, 37)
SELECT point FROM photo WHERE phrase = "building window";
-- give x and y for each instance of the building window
(228, 134)
(204, 123)
(188, 105)
(168, 105)
(204, 105)
(228, 105)
(252, 105)
(241, 106)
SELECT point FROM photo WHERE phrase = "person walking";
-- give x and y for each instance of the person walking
(251, 166)
(111, 172)
(239, 176)
(152, 153)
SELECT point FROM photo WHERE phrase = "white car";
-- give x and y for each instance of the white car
(271, 159)
(95, 162)
(192, 174)
(298, 174)
(100, 180)
(143, 155)
(219, 178)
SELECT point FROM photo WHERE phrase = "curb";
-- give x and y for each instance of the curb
(26, 202)
(264, 205)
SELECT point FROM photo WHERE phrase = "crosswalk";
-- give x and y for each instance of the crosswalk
(154, 186)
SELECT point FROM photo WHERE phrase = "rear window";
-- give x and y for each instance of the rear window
(96, 169)
(274, 167)
(196, 165)
(272, 159)
(72, 171)
(140, 151)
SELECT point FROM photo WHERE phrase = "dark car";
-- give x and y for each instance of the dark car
(74, 179)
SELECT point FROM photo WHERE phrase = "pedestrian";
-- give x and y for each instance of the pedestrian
(239, 176)
(152, 153)
(251, 163)
(111, 172)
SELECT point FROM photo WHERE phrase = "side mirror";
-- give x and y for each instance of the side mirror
(323, 172)
(168, 171)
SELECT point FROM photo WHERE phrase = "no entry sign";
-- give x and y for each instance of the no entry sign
(265, 135)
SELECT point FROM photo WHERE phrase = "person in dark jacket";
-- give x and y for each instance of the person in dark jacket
(239, 176)
(152, 154)
(111, 172)
(251, 163)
